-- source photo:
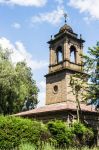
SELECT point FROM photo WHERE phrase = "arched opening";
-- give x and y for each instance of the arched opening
(59, 54)
(73, 54)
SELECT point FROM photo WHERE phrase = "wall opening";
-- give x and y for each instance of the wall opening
(73, 54)
(59, 54)
(55, 89)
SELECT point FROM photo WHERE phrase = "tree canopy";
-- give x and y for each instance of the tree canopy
(86, 84)
(92, 67)
(16, 85)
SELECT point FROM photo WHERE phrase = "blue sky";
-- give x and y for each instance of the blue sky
(26, 26)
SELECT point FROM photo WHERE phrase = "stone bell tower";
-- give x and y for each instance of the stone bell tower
(65, 59)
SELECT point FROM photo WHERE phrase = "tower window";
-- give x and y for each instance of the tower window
(55, 88)
(73, 54)
(59, 54)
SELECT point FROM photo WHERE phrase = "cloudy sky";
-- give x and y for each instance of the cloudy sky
(26, 26)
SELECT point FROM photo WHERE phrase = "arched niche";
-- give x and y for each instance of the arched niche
(59, 53)
(73, 54)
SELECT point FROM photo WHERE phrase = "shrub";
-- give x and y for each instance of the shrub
(15, 130)
(82, 133)
(76, 135)
(61, 132)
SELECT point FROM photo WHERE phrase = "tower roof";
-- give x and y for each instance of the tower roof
(66, 28)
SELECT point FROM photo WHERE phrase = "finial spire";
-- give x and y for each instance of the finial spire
(80, 36)
(51, 37)
(65, 16)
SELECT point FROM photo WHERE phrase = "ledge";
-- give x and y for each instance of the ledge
(64, 70)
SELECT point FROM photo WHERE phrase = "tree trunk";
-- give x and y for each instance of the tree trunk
(78, 108)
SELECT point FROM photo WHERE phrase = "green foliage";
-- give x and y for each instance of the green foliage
(81, 88)
(16, 83)
(50, 147)
(78, 84)
(77, 134)
(82, 133)
(27, 89)
(47, 146)
(14, 131)
(60, 132)
(27, 146)
(92, 67)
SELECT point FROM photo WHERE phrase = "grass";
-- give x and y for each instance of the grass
(27, 146)
(47, 146)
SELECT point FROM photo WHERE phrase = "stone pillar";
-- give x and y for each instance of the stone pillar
(79, 53)
(76, 56)
(52, 58)
(64, 50)
(66, 54)
(78, 59)
(51, 55)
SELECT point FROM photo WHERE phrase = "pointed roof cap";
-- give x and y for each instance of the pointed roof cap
(66, 28)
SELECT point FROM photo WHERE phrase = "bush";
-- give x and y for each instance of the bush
(76, 135)
(61, 132)
(14, 130)
(82, 133)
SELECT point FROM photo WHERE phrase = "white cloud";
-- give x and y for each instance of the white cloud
(53, 17)
(16, 25)
(90, 7)
(20, 53)
(36, 3)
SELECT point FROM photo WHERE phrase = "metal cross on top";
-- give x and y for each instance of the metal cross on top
(65, 16)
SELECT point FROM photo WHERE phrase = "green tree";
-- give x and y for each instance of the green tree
(85, 85)
(16, 83)
(79, 85)
(27, 89)
(92, 67)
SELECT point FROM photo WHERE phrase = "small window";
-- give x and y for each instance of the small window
(55, 88)
(59, 54)
(73, 54)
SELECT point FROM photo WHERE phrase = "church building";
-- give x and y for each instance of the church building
(65, 50)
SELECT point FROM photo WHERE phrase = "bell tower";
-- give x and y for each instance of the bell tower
(65, 59)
